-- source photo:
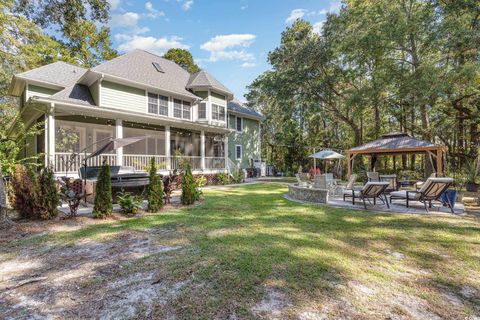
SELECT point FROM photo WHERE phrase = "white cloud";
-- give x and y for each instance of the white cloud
(152, 44)
(128, 19)
(248, 65)
(318, 26)
(223, 42)
(229, 47)
(114, 4)
(295, 14)
(152, 12)
(244, 7)
(187, 5)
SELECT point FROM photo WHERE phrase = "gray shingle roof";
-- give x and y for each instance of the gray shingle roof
(394, 140)
(237, 107)
(58, 73)
(137, 66)
(78, 93)
(203, 79)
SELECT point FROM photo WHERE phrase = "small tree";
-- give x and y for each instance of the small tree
(190, 192)
(103, 194)
(47, 195)
(155, 189)
(24, 191)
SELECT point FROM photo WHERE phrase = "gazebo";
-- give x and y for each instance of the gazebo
(397, 144)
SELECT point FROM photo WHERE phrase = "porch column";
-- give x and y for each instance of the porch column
(225, 150)
(202, 149)
(167, 148)
(119, 135)
(50, 137)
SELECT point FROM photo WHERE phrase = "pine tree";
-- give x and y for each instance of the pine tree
(155, 189)
(189, 188)
(103, 194)
(48, 197)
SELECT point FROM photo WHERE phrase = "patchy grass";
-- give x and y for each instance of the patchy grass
(246, 252)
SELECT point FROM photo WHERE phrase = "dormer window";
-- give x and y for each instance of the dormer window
(157, 67)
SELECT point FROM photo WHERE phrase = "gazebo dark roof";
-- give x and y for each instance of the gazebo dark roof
(394, 142)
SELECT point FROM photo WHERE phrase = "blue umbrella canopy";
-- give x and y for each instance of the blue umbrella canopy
(327, 155)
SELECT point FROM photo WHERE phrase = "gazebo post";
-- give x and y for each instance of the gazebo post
(349, 169)
(439, 161)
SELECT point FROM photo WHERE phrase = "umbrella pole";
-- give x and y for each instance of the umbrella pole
(314, 163)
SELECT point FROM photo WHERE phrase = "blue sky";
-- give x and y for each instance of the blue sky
(230, 38)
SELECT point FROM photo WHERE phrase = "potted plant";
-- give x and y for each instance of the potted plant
(472, 170)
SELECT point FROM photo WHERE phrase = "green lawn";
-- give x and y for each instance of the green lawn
(248, 252)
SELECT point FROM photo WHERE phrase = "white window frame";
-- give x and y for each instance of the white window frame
(218, 112)
(236, 124)
(158, 95)
(198, 110)
(241, 152)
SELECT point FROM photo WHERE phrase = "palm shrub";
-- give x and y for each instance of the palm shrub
(103, 194)
(155, 189)
(190, 192)
(47, 196)
(129, 203)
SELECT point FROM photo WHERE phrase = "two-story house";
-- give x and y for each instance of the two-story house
(182, 115)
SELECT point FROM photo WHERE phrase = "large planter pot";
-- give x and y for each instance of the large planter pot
(472, 187)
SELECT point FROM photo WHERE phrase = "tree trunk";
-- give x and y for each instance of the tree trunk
(3, 201)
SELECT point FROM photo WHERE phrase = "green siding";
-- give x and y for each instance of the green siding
(38, 91)
(119, 96)
(248, 139)
(218, 99)
(202, 94)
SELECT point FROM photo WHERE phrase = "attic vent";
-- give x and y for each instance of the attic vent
(157, 66)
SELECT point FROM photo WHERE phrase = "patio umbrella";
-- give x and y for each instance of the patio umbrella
(114, 144)
(325, 154)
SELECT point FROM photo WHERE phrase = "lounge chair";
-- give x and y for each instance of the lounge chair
(371, 190)
(392, 181)
(373, 176)
(430, 191)
(419, 184)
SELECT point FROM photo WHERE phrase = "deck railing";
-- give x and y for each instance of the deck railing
(139, 161)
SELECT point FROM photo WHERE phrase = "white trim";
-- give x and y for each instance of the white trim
(119, 134)
(241, 152)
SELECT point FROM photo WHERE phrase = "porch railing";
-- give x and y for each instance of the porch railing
(139, 161)
(62, 161)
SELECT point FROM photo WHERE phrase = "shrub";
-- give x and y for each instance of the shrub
(223, 178)
(155, 189)
(24, 191)
(103, 194)
(129, 203)
(190, 192)
(200, 181)
(237, 176)
(47, 196)
(72, 193)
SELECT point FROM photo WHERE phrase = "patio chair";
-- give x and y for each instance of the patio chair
(373, 176)
(430, 191)
(419, 184)
(371, 190)
(347, 189)
(301, 182)
(392, 181)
